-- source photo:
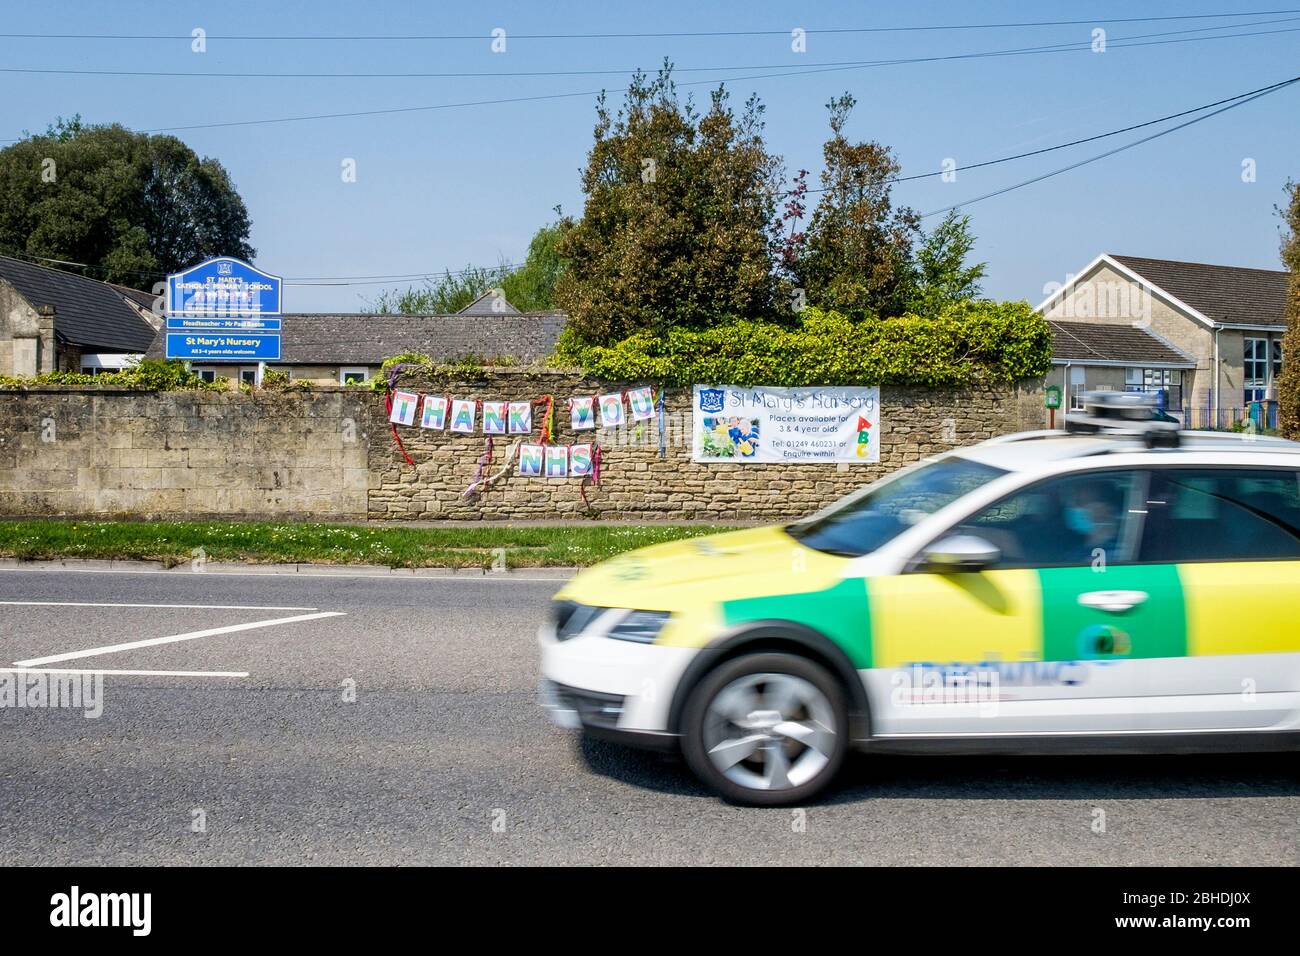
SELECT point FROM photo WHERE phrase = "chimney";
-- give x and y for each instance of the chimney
(47, 359)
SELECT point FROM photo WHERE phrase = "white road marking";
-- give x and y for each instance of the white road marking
(108, 673)
(174, 638)
(199, 607)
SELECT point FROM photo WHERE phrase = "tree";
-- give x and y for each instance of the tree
(855, 255)
(1288, 392)
(529, 288)
(938, 275)
(446, 295)
(676, 227)
(132, 206)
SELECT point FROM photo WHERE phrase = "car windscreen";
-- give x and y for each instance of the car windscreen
(861, 524)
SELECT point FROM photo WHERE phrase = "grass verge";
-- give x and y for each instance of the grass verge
(475, 546)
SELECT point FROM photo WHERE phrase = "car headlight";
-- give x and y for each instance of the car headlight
(639, 626)
(571, 618)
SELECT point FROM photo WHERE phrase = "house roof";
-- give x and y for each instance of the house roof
(362, 339)
(146, 300)
(1097, 342)
(491, 302)
(90, 314)
(1227, 294)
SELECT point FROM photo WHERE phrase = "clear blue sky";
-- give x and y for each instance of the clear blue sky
(441, 189)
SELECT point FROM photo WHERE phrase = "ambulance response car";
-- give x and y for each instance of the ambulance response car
(1121, 584)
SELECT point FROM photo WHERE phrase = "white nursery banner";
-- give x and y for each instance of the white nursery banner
(762, 424)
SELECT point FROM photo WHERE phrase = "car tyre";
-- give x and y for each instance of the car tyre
(766, 729)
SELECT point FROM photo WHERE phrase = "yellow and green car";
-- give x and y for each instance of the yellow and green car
(1038, 592)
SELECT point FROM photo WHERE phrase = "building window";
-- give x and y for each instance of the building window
(1277, 359)
(1149, 379)
(1074, 386)
(1255, 361)
(356, 375)
(248, 376)
(100, 363)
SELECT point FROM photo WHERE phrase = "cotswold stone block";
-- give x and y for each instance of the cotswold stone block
(329, 453)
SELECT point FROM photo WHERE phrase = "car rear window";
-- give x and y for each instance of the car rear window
(1221, 514)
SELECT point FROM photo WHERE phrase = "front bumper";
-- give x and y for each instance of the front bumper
(597, 715)
(611, 688)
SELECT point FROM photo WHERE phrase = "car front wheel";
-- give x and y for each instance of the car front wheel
(766, 729)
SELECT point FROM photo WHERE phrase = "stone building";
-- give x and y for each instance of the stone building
(349, 348)
(1211, 335)
(52, 320)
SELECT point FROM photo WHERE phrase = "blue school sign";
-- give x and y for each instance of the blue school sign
(223, 310)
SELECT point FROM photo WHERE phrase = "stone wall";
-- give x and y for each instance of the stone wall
(636, 482)
(27, 344)
(183, 454)
(328, 453)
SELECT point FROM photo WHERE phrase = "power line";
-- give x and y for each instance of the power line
(1076, 142)
(1231, 102)
(1119, 43)
(1118, 149)
(1093, 21)
(295, 280)
(504, 268)
(493, 74)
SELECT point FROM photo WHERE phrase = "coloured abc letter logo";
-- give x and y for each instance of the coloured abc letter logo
(864, 437)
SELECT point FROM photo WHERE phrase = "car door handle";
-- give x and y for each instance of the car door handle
(1116, 602)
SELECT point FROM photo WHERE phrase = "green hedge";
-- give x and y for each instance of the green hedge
(151, 375)
(980, 342)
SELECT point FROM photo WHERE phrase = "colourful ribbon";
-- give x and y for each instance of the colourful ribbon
(392, 426)
(659, 407)
(547, 426)
(484, 460)
(592, 479)
(478, 486)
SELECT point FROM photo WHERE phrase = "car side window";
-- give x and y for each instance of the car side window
(1221, 514)
(1061, 522)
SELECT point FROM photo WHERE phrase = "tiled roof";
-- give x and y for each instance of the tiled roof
(90, 314)
(358, 339)
(1221, 293)
(146, 300)
(491, 302)
(1083, 342)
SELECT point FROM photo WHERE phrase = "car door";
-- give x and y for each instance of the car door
(1059, 629)
(1233, 536)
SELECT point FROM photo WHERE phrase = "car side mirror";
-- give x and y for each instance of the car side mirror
(960, 552)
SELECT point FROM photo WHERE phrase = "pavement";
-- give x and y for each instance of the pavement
(337, 718)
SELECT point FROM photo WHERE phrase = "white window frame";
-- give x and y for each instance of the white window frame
(1150, 380)
(346, 370)
(1251, 349)
(98, 363)
(1256, 353)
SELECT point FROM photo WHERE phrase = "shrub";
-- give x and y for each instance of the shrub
(150, 375)
(274, 379)
(981, 342)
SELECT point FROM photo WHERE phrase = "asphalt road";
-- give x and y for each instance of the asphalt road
(444, 757)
